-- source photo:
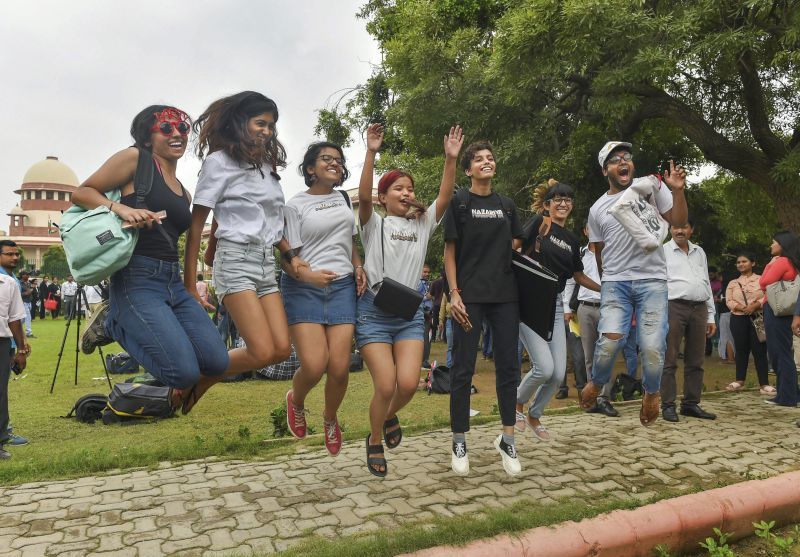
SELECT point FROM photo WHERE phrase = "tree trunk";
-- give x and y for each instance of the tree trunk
(786, 198)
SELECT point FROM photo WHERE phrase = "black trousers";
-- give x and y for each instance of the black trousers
(5, 374)
(504, 321)
(779, 347)
(746, 341)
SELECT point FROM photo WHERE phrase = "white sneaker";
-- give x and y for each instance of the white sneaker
(459, 459)
(511, 463)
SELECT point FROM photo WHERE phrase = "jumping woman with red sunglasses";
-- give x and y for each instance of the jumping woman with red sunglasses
(239, 181)
(150, 312)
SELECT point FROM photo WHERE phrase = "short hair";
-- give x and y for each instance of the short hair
(472, 148)
(7, 243)
(311, 156)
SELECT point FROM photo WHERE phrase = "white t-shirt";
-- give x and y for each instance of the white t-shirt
(405, 246)
(326, 227)
(248, 207)
(11, 308)
(622, 257)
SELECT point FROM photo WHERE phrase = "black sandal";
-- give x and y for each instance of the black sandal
(373, 461)
(394, 437)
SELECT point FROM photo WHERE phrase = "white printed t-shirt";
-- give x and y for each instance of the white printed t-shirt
(405, 245)
(326, 227)
(622, 257)
(248, 207)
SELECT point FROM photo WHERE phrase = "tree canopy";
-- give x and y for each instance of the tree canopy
(550, 81)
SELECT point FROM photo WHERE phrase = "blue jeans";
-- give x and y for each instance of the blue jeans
(161, 325)
(448, 331)
(619, 300)
(779, 348)
(631, 354)
(548, 364)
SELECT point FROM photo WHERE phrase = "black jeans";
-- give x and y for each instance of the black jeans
(779, 347)
(745, 341)
(5, 374)
(504, 321)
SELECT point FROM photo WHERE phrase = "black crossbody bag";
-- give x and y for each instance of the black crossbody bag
(393, 297)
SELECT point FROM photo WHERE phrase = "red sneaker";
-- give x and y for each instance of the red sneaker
(333, 436)
(295, 417)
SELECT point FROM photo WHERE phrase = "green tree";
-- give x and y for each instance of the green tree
(549, 81)
(54, 261)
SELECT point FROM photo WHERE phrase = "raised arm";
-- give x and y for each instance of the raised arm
(374, 142)
(452, 146)
(676, 180)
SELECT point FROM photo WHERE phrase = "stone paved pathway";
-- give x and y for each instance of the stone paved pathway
(218, 507)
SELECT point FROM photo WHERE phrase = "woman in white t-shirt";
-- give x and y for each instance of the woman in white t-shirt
(391, 346)
(321, 303)
(240, 150)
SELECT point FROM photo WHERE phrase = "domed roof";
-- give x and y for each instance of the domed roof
(50, 171)
(17, 210)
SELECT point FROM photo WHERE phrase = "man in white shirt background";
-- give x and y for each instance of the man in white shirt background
(68, 291)
(691, 319)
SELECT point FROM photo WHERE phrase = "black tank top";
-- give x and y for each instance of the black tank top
(152, 242)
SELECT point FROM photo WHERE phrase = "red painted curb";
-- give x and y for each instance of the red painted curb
(680, 524)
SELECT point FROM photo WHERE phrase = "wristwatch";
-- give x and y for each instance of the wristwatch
(289, 254)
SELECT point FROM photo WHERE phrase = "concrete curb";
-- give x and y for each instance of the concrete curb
(680, 524)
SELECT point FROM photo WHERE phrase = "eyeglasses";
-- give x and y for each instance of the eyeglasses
(327, 159)
(616, 159)
(561, 201)
(10, 253)
(166, 128)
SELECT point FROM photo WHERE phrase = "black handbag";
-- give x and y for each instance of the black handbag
(393, 297)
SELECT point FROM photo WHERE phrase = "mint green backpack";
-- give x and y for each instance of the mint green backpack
(95, 243)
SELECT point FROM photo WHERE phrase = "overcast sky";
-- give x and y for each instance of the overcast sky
(75, 73)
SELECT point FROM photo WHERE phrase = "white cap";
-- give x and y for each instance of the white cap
(608, 148)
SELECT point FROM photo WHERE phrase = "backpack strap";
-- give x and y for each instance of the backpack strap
(461, 202)
(143, 179)
(346, 198)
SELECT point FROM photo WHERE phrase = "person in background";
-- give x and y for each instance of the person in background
(785, 251)
(44, 291)
(691, 313)
(743, 297)
(27, 289)
(717, 289)
(446, 328)
(68, 291)
(424, 287)
(202, 291)
(34, 299)
(436, 291)
(55, 292)
(95, 296)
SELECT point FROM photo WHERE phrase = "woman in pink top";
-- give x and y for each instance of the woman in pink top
(785, 250)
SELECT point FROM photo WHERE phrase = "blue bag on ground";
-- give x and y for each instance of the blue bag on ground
(121, 363)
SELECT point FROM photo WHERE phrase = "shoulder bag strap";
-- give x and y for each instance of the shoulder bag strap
(743, 294)
(383, 255)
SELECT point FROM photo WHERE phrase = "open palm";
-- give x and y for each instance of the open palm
(453, 142)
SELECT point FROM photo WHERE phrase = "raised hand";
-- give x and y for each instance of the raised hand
(453, 142)
(374, 137)
(675, 178)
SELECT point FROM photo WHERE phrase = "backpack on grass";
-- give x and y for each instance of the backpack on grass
(438, 380)
(134, 401)
(121, 363)
(89, 408)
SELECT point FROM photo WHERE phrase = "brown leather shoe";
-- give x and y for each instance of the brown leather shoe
(650, 406)
(589, 395)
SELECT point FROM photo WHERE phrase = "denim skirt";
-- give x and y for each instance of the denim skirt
(305, 303)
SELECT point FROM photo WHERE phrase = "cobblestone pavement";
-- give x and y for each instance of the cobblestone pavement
(218, 507)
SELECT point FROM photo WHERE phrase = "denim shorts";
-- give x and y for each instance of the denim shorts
(375, 325)
(240, 267)
(306, 303)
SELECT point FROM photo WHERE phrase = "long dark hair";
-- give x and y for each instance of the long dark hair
(223, 127)
(790, 246)
(310, 158)
(143, 123)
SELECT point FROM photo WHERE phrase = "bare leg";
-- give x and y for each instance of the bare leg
(339, 343)
(312, 350)
(380, 361)
(408, 359)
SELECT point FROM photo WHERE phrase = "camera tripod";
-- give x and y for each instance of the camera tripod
(80, 297)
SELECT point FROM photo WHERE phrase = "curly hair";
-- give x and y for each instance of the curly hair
(223, 127)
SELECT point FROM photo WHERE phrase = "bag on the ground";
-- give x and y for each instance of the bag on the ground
(89, 408)
(636, 212)
(134, 401)
(121, 363)
(438, 380)
(282, 370)
(95, 243)
(356, 361)
(782, 296)
(146, 378)
(627, 386)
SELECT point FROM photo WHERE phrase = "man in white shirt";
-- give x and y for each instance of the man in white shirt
(68, 291)
(691, 318)
(12, 312)
(633, 280)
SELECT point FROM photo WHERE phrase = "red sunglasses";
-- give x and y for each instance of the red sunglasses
(169, 119)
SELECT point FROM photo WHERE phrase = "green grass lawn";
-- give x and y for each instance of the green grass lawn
(232, 420)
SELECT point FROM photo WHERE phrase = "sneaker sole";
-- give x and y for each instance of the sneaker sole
(456, 472)
(504, 457)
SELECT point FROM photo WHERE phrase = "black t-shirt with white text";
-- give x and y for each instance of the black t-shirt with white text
(560, 250)
(483, 248)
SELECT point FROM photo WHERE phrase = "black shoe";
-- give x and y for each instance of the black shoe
(562, 394)
(605, 407)
(669, 414)
(695, 411)
(95, 334)
(426, 364)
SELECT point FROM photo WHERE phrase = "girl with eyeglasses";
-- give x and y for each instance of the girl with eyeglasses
(551, 244)
(239, 147)
(321, 303)
(394, 247)
(150, 313)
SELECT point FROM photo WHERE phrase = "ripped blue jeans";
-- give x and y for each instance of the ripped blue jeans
(618, 302)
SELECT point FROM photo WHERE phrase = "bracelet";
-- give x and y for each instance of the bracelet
(455, 290)
(288, 255)
(358, 267)
(110, 205)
